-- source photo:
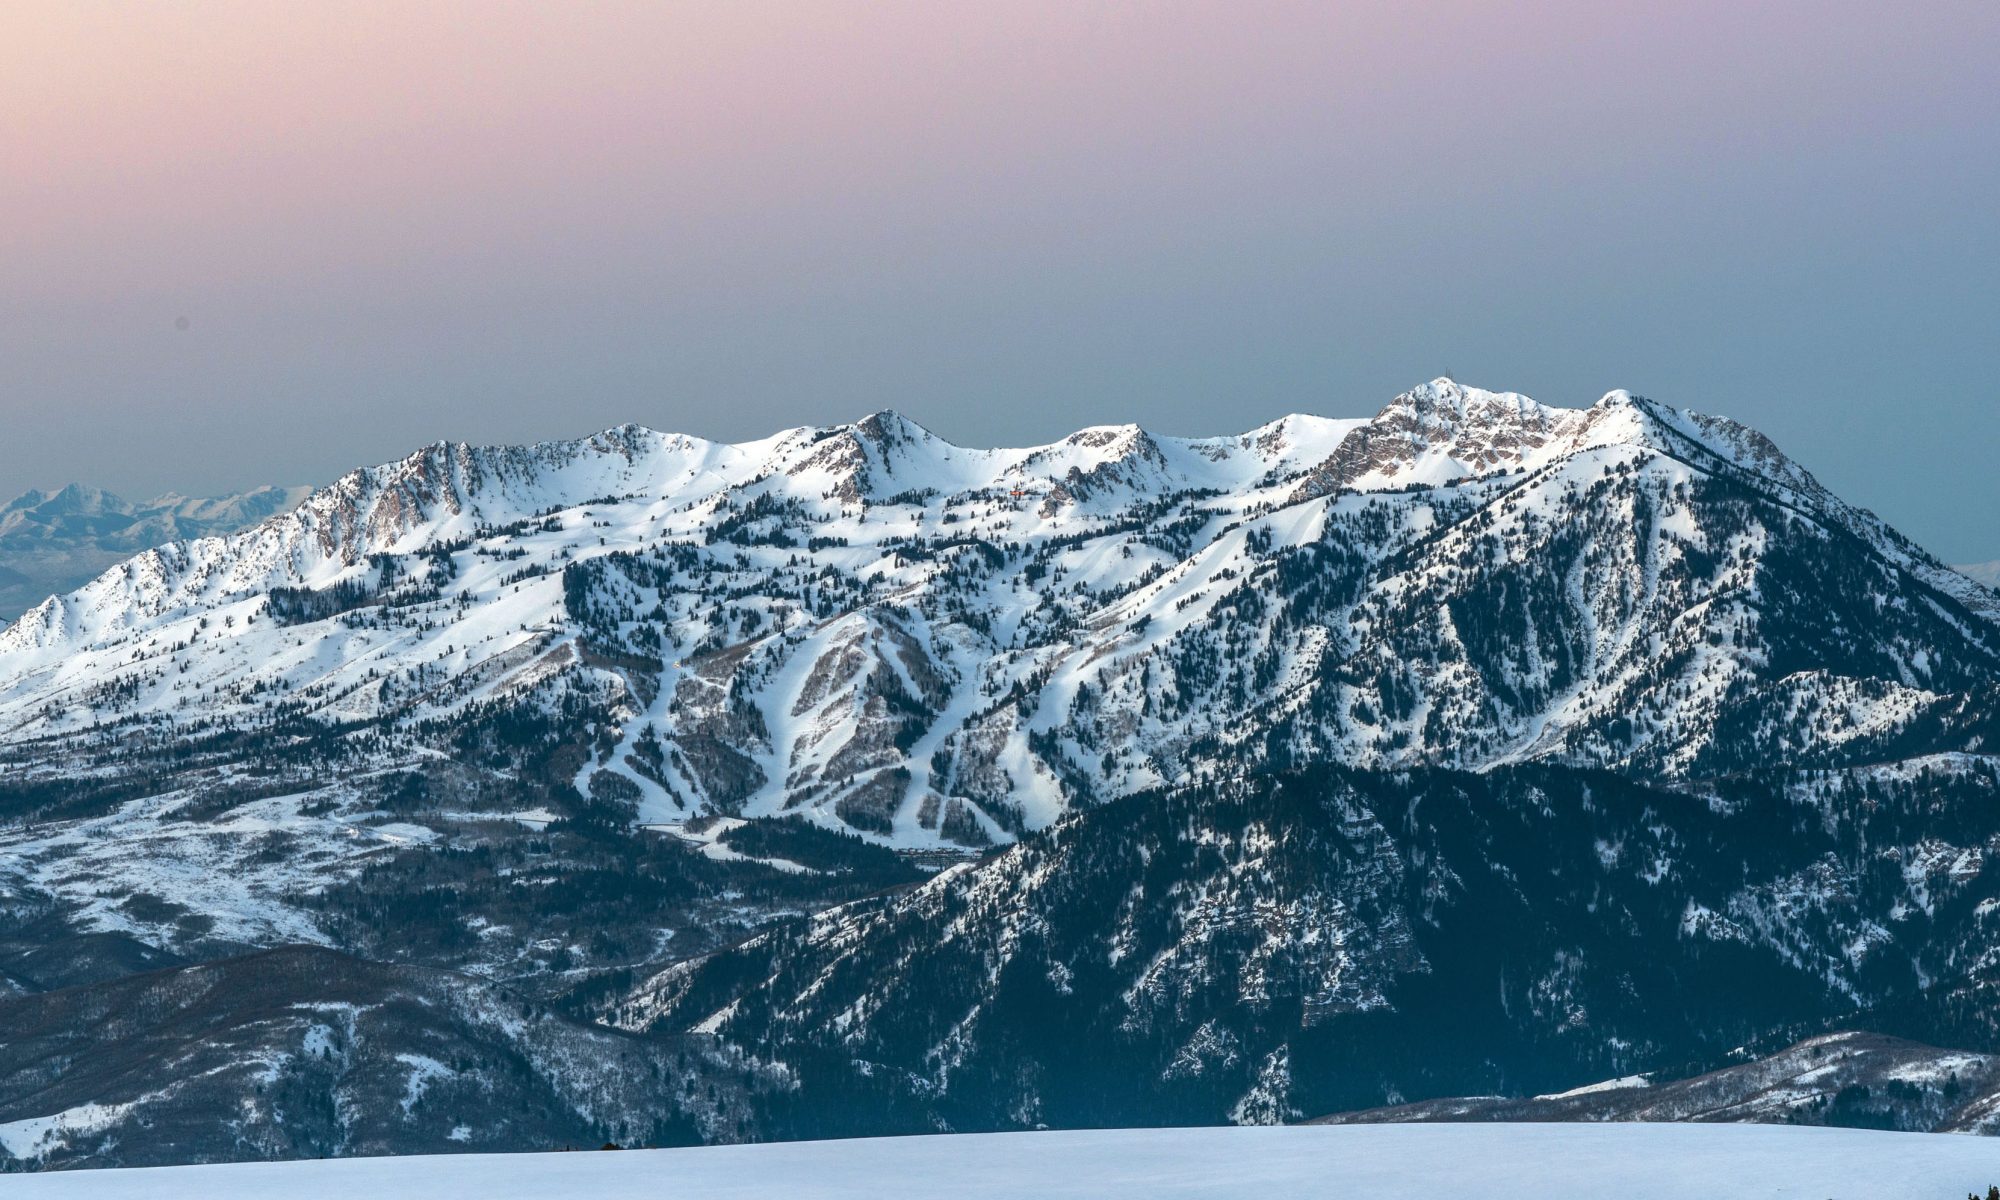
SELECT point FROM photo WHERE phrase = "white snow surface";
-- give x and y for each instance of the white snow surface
(32, 1136)
(1987, 573)
(1621, 1084)
(882, 571)
(1362, 1162)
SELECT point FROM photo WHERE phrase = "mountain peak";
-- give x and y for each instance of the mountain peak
(1436, 432)
(1100, 436)
(888, 427)
(1447, 399)
(1442, 393)
(72, 499)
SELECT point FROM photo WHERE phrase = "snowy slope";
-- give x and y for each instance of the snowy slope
(1482, 721)
(941, 646)
(1380, 1162)
(1987, 573)
(53, 542)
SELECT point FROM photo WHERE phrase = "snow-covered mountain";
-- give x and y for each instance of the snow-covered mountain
(1325, 940)
(1477, 746)
(1987, 573)
(937, 645)
(53, 542)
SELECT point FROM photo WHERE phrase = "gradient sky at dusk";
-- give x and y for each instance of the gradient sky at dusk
(391, 223)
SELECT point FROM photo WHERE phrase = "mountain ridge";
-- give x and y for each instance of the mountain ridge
(52, 542)
(889, 611)
(1986, 573)
(1848, 1079)
(1565, 744)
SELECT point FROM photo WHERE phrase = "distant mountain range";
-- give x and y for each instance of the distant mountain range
(54, 542)
(1475, 747)
(1986, 573)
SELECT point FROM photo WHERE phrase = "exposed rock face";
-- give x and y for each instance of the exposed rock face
(1439, 432)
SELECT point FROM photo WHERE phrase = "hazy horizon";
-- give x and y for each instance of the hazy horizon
(269, 244)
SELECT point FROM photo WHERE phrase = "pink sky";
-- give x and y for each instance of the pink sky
(501, 220)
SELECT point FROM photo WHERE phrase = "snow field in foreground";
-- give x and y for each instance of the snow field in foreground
(1422, 1162)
